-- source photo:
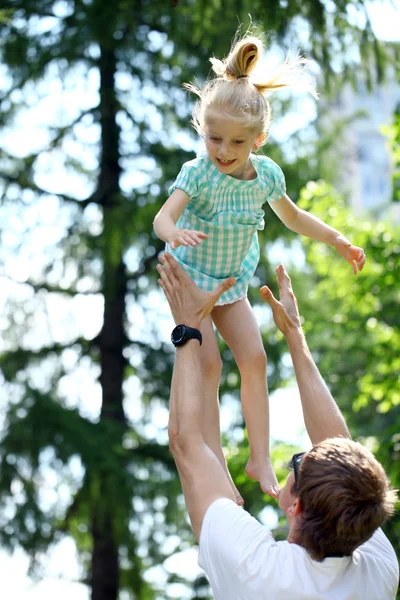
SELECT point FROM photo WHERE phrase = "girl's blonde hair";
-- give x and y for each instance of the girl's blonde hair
(241, 93)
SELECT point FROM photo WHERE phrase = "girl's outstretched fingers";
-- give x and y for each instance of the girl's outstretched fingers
(361, 260)
(187, 237)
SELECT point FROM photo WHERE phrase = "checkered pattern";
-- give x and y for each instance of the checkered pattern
(230, 212)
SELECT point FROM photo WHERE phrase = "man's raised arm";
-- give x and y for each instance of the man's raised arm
(202, 476)
(322, 416)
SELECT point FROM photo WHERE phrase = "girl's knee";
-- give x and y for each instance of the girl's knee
(255, 360)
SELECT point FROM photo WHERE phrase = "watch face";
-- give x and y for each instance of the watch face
(178, 334)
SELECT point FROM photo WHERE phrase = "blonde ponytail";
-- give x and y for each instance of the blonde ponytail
(291, 74)
(240, 89)
(241, 61)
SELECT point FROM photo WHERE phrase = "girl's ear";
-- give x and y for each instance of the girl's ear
(258, 141)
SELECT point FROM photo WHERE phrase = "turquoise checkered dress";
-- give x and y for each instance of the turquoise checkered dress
(230, 212)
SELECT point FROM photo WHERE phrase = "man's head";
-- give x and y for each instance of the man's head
(342, 495)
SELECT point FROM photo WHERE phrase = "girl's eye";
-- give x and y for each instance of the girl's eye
(215, 139)
(238, 142)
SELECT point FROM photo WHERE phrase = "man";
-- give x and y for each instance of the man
(335, 500)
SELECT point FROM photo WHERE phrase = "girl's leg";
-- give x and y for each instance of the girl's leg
(238, 326)
(211, 369)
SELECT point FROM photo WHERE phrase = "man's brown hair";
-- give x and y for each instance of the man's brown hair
(345, 496)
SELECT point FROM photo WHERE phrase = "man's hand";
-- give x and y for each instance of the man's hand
(186, 237)
(286, 312)
(188, 304)
(322, 416)
(354, 255)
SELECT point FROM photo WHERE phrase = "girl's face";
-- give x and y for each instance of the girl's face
(229, 145)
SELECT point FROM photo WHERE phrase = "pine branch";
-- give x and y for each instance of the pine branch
(97, 197)
(18, 86)
(23, 356)
(26, 184)
(65, 128)
(38, 287)
(145, 266)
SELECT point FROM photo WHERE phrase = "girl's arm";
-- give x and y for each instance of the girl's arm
(304, 223)
(164, 222)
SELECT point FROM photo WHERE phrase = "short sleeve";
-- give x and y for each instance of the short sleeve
(187, 180)
(379, 549)
(229, 535)
(273, 178)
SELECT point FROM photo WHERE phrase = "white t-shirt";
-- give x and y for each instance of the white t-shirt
(244, 562)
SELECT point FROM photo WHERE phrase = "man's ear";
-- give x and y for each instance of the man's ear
(295, 509)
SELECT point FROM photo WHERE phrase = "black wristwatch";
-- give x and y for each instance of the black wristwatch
(182, 333)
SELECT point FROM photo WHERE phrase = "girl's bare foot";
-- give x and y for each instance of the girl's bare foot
(262, 470)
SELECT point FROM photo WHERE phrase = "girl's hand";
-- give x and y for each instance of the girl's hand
(353, 254)
(186, 237)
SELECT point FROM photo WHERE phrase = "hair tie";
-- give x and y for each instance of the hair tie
(241, 76)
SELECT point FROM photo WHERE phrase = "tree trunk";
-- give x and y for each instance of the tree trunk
(105, 562)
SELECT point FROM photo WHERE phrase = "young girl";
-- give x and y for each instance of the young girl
(210, 224)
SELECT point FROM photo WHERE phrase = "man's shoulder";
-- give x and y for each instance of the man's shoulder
(378, 548)
(239, 554)
(225, 518)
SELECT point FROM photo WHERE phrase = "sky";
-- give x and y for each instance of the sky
(61, 571)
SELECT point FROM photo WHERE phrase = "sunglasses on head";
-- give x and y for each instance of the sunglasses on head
(294, 464)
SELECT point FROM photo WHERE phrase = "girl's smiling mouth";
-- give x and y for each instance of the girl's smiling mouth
(225, 163)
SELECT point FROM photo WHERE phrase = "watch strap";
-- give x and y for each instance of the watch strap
(193, 333)
(183, 333)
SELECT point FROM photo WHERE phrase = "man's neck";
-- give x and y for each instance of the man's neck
(294, 536)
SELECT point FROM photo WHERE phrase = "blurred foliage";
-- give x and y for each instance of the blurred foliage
(139, 53)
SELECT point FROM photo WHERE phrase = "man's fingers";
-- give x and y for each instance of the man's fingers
(164, 288)
(164, 280)
(223, 287)
(166, 270)
(268, 296)
(169, 264)
(160, 269)
(283, 277)
(174, 270)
